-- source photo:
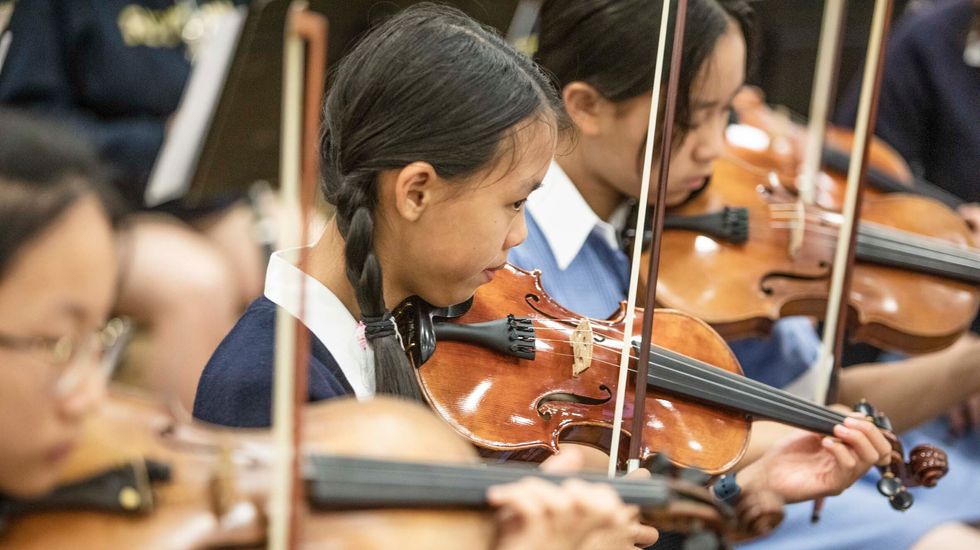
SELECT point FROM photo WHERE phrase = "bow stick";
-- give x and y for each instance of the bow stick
(828, 55)
(305, 33)
(640, 389)
(826, 370)
(828, 361)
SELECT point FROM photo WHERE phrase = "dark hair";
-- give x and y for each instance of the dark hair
(611, 44)
(431, 85)
(44, 170)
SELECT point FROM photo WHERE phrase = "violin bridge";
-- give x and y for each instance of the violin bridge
(581, 341)
(798, 231)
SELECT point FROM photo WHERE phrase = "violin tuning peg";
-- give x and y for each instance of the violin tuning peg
(865, 408)
(702, 540)
(158, 471)
(889, 486)
(902, 501)
(882, 422)
(694, 476)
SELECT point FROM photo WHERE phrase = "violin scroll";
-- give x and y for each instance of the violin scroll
(927, 464)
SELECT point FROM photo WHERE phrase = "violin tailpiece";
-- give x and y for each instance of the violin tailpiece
(510, 336)
(122, 490)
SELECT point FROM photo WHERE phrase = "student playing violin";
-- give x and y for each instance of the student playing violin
(603, 58)
(435, 132)
(57, 285)
(58, 279)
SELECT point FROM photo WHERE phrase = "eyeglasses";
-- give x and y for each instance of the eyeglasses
(73, 356)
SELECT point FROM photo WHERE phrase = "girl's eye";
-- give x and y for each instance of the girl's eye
(517, 205)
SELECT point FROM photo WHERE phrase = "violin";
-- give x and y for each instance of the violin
(144, 479)
(512, 370)
(138, 479)
(744, 253)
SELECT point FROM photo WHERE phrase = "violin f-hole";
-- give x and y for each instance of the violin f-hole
(766, 286)
(566, 397)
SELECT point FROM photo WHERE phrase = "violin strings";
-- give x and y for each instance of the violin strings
(771, 395)
(473, 480)
(887, 245)
(343, 479)
(888, 235)
(750, 387)
(744, 386)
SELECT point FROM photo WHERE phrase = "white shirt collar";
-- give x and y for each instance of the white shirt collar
(565, 219)
(325, 316)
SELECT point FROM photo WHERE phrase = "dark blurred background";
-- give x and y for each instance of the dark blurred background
(789, 31)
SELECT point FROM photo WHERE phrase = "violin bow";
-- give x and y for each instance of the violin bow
(640, 388)
(828, 57)
(828, 361)
(826, 370)
(304, 58)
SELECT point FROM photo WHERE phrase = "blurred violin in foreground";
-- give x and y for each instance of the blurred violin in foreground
(145, 479)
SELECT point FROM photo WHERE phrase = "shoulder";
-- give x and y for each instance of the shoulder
(235, 388)
(935, 30)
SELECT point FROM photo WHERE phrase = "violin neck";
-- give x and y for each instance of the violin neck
(343, 484)
(678, 374)
(894, 248)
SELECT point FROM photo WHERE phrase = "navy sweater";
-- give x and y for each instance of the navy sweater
(930, 99)
(236, 386)
(115, 69)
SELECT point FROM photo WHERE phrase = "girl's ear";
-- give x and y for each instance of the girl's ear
(585, 106)
(414, 189)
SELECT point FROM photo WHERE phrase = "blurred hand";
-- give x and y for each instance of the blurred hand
(965, 417)
(536, 514)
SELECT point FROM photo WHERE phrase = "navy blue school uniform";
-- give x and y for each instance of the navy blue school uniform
(929, 109)
(113, 69)
(236, 386)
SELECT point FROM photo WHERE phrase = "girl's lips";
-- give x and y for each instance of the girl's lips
(694, 184)
(59, 452)
(489, 272)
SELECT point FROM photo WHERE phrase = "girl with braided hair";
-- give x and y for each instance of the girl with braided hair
(435, 132)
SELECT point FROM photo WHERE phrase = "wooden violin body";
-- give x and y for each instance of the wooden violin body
(511, 370)
(195, 501)
(509, 403)
(742, 288)
(217, 483)
(380, 474)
